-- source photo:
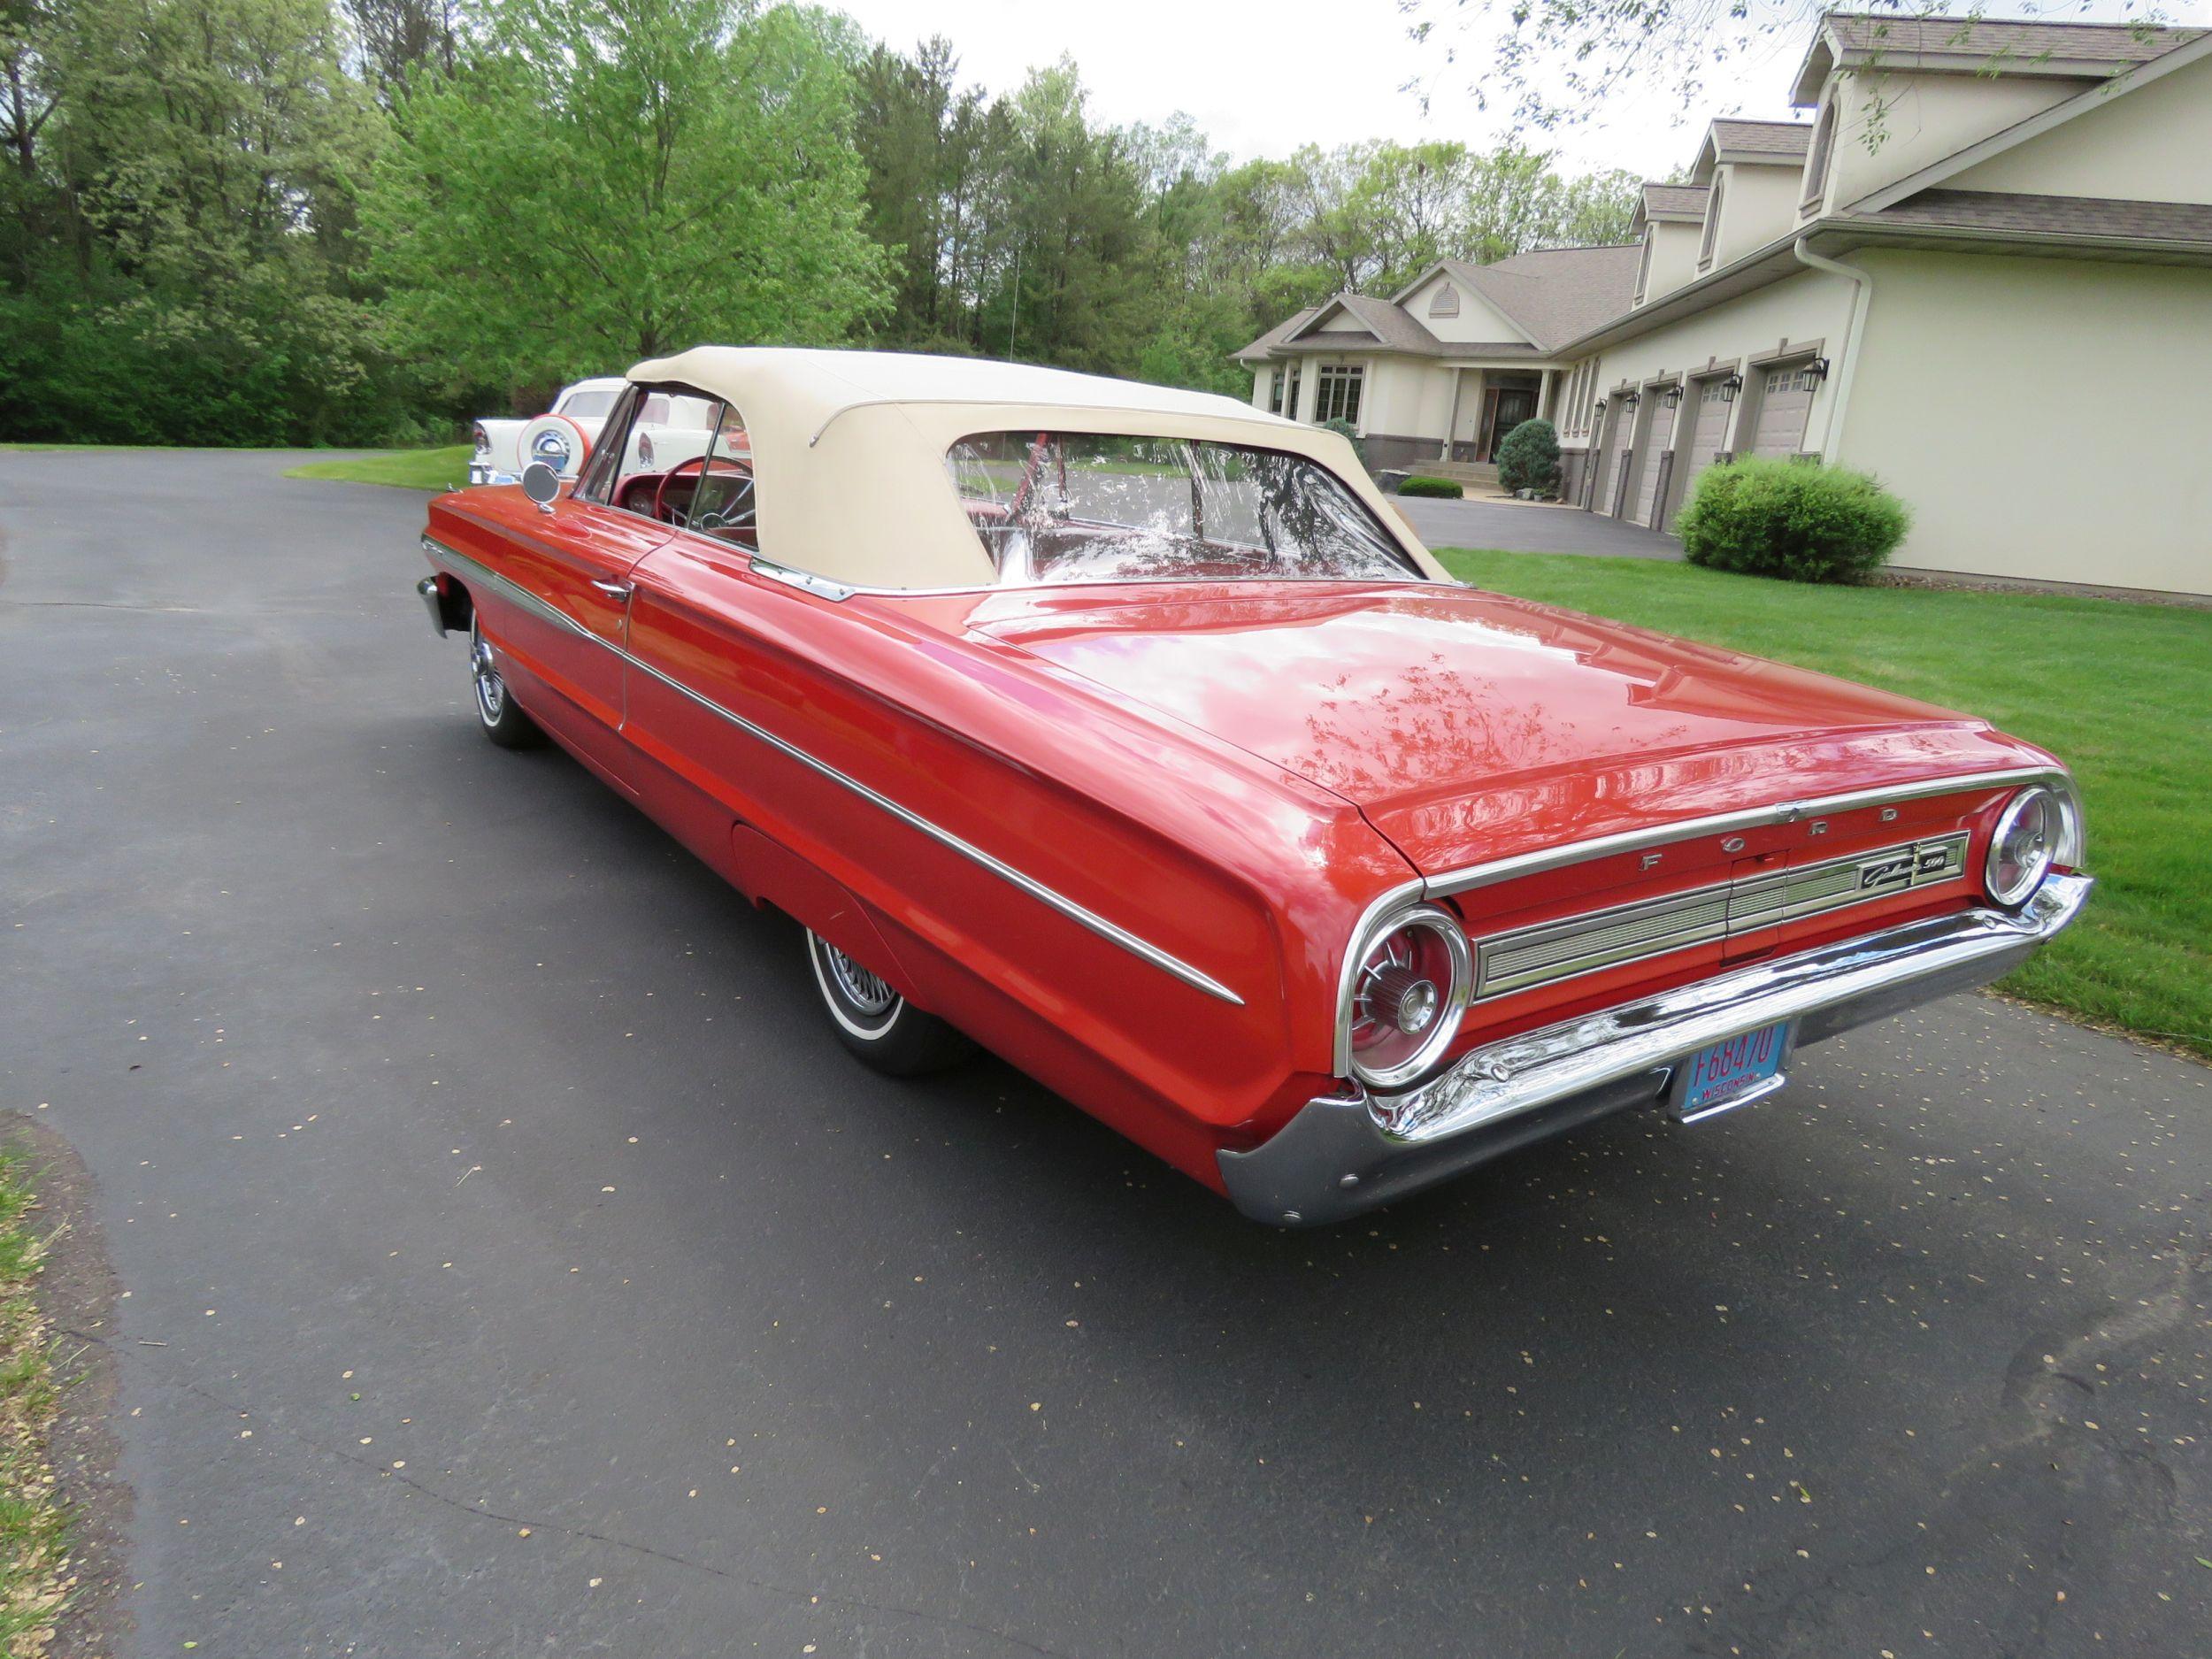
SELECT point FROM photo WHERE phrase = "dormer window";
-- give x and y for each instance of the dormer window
(1643, 265)
(1445, 301)
(1712, 223)
(1816, 158)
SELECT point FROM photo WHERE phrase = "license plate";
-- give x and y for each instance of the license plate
(1732, 1072)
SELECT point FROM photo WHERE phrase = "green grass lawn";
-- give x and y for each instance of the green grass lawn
(2122, 693)
(34, 1528)
(409, 469)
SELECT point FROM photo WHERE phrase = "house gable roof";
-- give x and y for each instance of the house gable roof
(1681, 203)
(1772, 144)
(1549, 294)
(1957, 45)
(2196, 48)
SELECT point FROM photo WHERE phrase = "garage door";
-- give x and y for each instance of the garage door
(1619, 425)
(1784, 398)
(1706, 436)
(1647, 454)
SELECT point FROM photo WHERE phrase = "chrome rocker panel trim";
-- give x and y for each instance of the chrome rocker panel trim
(1342, 1155)
(473, 571)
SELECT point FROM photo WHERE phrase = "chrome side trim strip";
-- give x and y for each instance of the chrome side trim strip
(821, 587)
(1036, 889)
(1546, 858)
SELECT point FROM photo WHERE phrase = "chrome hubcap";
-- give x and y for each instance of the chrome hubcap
(866, 992)
(491, 691)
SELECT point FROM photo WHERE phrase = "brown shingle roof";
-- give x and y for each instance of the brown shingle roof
(2053, 215)
(1279, 332)
(1983, 37)
(1394, 325)
(1785, 141)
(1554, 293)
(1675, 201)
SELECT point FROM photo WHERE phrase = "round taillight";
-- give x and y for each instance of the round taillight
(1406, 996)
(483, 441)
(2025, 844)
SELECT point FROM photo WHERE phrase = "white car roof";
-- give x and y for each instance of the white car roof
(849, 448)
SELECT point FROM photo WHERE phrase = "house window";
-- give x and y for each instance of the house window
(1339, 393)
(1290, 393)
(1446, 303)
(1817, 161)
(1712, 223)
(1275, 393)
(1643, 265)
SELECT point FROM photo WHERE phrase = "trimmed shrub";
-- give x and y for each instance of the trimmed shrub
(1528, 457)
(1345, 430)
(1791, 519)
(1442, 487)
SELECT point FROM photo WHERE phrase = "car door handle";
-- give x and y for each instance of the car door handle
(620, 592)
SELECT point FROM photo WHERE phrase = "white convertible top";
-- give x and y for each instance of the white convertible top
(849, 448)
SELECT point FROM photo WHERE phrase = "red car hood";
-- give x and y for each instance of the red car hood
(1466, 726)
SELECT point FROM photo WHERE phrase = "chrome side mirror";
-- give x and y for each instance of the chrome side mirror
(542, 484)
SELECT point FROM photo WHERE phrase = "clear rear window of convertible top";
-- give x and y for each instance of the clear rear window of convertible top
(1083, 507)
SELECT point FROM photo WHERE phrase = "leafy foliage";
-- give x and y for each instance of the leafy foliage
(1440, 488)
(1347, 431)
(358, 222)
(1529, 457)
(1776, 517)
(620, 179)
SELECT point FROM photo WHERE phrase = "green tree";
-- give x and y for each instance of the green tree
(612, 180)
(196, 276)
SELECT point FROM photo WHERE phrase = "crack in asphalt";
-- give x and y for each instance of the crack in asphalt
(826, 1599)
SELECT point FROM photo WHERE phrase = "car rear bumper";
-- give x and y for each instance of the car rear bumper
(1342, 1155)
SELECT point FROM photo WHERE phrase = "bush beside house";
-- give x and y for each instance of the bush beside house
(1529, 458)
(1347, 431)
(1442, 489)
(1774, 517)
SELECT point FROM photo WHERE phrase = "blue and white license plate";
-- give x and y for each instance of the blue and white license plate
(1732, 1072)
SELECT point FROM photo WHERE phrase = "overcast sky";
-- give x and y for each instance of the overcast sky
(1261, 79)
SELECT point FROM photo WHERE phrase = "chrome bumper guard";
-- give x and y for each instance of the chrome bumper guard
(427, 590)
(1342, 1155)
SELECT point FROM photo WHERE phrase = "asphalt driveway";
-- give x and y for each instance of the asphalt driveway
(516, 1264)
(1523, 526)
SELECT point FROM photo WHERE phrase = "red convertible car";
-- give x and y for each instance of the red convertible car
(1129, 733)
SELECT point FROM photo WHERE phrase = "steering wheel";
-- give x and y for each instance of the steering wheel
(662, 511)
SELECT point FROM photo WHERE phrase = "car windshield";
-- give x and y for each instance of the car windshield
(590, 404)
(1082, 507)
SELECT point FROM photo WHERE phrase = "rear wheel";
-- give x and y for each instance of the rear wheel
(882, 1028)
(503, 720)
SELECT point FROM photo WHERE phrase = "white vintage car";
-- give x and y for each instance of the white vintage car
(668, 430)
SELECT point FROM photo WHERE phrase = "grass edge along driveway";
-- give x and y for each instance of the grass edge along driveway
(2119, 692)
(33, 1525)
(406, 469)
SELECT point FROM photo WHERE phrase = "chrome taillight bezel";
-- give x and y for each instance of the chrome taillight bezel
(1446, 926)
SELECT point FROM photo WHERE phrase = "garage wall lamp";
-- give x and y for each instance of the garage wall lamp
(1817, 371)
(1629, 400)
(1729, 387)
(1673, 398)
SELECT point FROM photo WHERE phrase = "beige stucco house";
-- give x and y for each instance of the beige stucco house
(1981, 269)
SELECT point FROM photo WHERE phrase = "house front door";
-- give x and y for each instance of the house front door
(1504, 407)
